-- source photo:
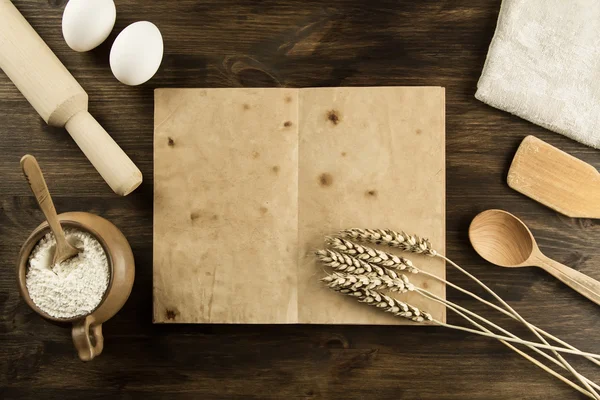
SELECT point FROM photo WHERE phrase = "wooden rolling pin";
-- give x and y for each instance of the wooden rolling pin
(59, 99)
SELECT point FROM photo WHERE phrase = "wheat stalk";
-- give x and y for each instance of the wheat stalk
(388, 237)
(387, 260)
(370, 255)
(350, 285)
(415, 244)
(351, 251)
(507, 313)
(531, 327)
(339, 281)
(412, 243)
(533, 360)
(460, 310)
(405, 310)
(346, 246)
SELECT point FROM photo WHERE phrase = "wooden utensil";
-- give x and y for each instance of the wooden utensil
(504, 240)
(59, 99)
(555, 179)
(37, 183)
(87, 329)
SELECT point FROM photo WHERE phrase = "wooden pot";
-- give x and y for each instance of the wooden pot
(87, 329)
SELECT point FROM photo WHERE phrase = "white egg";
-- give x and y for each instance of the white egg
(87, 23)
(136, 53)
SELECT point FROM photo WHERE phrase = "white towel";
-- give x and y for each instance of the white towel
(544, 65)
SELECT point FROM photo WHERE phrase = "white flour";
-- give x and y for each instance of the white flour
(71, 288)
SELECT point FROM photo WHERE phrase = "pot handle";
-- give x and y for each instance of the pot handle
(83, 332)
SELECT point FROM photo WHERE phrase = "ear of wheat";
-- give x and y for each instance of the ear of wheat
(388, 237)
(345, 263)
(386, 303)
(363, 272)
(370, 281)
(371, 255)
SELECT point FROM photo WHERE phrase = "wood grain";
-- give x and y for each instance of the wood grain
(294, 43)
(249, 182)
(579, 282)
(555, 179)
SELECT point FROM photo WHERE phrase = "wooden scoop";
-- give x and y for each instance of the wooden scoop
(37, 183)
(504, 240)
(555, 179)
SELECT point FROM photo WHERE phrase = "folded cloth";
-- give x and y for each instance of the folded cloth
(543, 65)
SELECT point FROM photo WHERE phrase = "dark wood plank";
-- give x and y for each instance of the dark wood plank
(292, 43)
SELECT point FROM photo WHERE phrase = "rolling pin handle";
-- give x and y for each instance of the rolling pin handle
(104, 153)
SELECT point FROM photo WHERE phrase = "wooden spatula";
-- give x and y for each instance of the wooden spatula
(555, 179)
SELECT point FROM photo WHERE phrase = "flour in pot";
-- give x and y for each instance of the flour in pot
(74, 287)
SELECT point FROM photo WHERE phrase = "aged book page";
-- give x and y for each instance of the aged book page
(226, 205)
(249, 181)
(369, 158)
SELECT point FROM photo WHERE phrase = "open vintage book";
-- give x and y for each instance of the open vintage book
(248, 182)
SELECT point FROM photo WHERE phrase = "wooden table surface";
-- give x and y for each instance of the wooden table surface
(296, 44)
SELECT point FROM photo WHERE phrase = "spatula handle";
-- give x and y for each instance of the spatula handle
(37, 183)
(577, 281)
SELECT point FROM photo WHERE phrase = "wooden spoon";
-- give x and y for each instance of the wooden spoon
(504, 240)
(33, 173)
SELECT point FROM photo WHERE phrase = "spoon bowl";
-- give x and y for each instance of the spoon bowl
(502, 239)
